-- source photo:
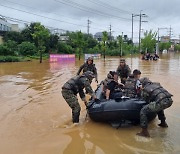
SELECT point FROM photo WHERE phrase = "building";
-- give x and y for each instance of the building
(175, 41)
(99, 36)
(4, 25)
(15, 28)
(165, 39)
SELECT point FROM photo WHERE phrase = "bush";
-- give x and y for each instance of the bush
(27, 49)
(64, 48)
(10, 59)
(3, 50)
(11, 48)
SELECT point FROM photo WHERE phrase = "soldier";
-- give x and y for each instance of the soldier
(133, 86)
(74, 86)
(88, 66)
(158, 99)
(123, 70)
(111, 86)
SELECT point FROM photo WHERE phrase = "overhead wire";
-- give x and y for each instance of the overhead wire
(88, 9)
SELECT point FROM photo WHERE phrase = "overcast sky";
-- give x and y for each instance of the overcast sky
(73, 14)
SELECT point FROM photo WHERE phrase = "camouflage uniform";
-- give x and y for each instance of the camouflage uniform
(130, 87)
(86, 67)
(70, 90)
(107, 81)
(158, 99)
(123, 72)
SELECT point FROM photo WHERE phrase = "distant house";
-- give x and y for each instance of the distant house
(175, 41)
(4, 25)
(99, 36)
(63, 38)
(15, 28)
(165, 39)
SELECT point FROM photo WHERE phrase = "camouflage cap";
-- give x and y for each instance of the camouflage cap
(90, 58)
(122, 60)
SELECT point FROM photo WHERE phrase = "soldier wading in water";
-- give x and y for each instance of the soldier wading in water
(159, 99)
(88, 66)
(74, 86)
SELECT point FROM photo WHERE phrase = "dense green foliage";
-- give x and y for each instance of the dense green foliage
(149, 42)
(164, 46)
(36, 40)
(177, 47)
(27, 49)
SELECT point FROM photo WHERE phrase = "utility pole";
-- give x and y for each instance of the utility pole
(140, 21)
(110, 30)
(158, 38)
(170, 33)
(140, 16)
(132, 28)
(133, 15)
(121, 44)
(88, 26)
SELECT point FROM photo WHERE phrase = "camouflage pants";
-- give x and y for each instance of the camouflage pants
(72, 101)
(154, 107)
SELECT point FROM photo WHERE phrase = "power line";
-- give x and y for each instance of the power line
(88, 9)
(42, 16)
(27, 22)
(49, 12)
(34, 8)
(98, 2)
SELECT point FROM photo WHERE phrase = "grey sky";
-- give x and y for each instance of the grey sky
(102, 13)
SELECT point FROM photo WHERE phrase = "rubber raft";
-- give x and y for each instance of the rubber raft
(116, 110)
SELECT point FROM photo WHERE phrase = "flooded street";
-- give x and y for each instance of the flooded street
(32, 111)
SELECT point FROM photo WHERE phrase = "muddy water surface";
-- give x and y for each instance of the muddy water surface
(33, 112)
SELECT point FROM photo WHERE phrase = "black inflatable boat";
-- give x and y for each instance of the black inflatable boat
(119, 110)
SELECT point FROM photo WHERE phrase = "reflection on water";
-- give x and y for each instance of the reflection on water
(32, 105)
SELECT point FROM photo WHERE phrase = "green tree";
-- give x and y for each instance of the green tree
(104, 38)
(64, 48)
(14, 36)
(40, 35)
(27, 49)
(163, 46)
(52, 42)
(79, 41)
(149, 41)
(177, 47)
(120, 42)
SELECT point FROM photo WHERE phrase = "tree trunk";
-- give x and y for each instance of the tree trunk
(104, 49)
(79, 54)
(40, 57)
(104, 54)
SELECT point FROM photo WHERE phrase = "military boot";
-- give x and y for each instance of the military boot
(76, 117)
(163, 124)
(144, 132)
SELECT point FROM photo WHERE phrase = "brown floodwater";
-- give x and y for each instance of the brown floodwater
(33, 113)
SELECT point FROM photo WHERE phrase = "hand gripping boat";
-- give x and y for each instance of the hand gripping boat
(116, 110)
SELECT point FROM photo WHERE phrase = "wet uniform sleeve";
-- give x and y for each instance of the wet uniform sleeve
(145, 96)
(80, 69)
(95, 72)
(88, 87)
(117, 71)
(129, 71)
(81, 93)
